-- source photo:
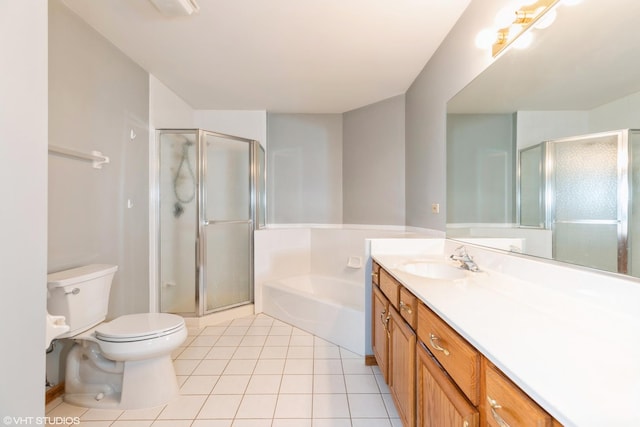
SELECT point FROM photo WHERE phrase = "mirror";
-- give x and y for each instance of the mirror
(579, 78)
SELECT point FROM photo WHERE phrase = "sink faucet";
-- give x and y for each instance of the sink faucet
(465, 260)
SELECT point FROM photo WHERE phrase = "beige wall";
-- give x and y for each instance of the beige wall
(97, 95)
(23, 211)
(373, 164)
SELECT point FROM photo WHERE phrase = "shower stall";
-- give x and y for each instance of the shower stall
(211, 198)
(583, 189)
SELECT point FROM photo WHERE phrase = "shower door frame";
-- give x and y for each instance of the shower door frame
(622, 171)
(202, 270)
(255, 208)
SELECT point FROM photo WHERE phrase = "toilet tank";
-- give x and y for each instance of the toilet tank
(81, 295)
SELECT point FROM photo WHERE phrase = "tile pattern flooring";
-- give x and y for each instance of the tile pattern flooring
(259, 372)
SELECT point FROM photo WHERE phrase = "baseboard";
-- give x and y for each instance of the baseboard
(53, 392)
(370, 360)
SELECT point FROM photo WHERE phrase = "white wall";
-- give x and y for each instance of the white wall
(373, 163)
(245, 124)
(534, 127)
(622, 113)
(23, 229)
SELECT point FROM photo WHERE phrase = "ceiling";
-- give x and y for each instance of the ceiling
(298, 56)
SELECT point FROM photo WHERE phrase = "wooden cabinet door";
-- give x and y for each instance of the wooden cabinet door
(440, 402)
(402, 368)
(505, 404)
(379, 335)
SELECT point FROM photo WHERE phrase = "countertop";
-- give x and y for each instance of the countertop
(575, 356)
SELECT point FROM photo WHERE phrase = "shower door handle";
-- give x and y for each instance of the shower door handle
(213, 222)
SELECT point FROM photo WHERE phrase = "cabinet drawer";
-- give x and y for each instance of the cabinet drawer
(375, 273)
(459, 358)
(409, 307)
(390, 288)
(505, 404)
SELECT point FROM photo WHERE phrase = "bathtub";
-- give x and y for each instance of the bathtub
(330, 308)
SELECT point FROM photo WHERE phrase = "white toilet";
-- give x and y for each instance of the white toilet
(125, 363)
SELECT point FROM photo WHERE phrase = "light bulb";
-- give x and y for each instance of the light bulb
(524, 41)
(505, 17)
(486, 38)
(546, 20)
(571, 2)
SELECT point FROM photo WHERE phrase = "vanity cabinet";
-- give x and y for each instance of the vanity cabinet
(436, 377)
(459, 358)
(379, 331)
(504, 404)
(440, 402)
(402, 368)
(394, 342)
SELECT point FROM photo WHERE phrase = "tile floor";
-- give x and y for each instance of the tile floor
(259, 372)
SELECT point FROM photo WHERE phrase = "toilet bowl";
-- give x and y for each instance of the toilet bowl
(124, 363)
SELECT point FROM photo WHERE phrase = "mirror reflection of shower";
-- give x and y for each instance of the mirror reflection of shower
(184, 181)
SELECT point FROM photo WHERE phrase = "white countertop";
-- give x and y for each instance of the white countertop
(569, 349)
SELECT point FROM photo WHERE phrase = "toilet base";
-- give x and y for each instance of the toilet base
(95, 382)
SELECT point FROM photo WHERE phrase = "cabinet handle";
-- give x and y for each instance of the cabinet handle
(432, 341)
(374, 274)
(494, 405)
(382, 318)
(405, 307)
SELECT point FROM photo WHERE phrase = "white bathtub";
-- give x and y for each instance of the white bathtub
(328, 307)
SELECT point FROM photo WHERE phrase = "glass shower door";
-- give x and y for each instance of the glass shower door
(586, 206)
(226, 222)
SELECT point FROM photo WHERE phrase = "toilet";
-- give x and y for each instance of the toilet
(122, 364)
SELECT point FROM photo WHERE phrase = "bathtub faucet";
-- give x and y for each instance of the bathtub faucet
(465, 260)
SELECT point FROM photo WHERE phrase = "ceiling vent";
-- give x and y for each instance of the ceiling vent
(176, 7)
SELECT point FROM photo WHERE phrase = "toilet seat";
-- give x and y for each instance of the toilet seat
(139, 327)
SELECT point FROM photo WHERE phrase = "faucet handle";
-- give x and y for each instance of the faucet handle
(461, 251)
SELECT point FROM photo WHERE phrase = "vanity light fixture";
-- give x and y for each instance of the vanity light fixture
(514, 20)
(173, 8)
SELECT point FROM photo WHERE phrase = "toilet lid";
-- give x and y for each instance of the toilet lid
(138, 327)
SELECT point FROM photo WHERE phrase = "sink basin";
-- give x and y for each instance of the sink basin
(433, 270)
